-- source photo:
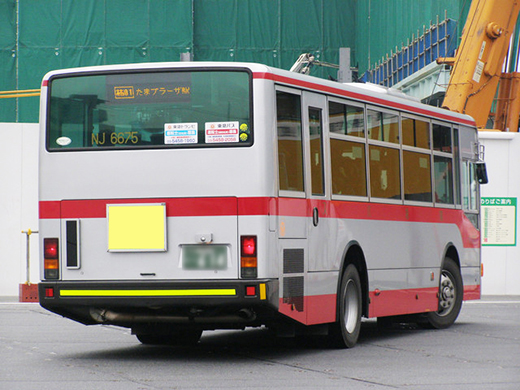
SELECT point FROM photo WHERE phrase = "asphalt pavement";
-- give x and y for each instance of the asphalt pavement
(481, 351)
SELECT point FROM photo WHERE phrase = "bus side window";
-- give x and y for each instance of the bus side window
(385, 180)
(417, 176)
(348, 168)
(290, 147)
(416, 133)
(346, 119)
(383, 126)
(469, 186)
(443, 174)
(316, 144)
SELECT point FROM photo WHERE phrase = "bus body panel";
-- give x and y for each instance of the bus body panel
(226, 193)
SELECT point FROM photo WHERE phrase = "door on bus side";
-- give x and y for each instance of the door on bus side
(302, 210)
(315, 125)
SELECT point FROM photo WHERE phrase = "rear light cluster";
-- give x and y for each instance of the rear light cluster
(248, 259)
(51, 264)
(259, 291)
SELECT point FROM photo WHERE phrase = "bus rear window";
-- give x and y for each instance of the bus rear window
(160, 109)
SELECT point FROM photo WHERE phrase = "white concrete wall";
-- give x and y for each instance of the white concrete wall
(18, 204)
(19, 207)
(502, 264)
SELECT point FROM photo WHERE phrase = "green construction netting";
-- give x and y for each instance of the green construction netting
(7, 55)
(55, 34)
(383, 25)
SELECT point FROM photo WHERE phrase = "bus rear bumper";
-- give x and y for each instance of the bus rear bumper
(209, 304)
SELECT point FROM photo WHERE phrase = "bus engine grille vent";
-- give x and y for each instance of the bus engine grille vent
(293, 292)
(293, 261)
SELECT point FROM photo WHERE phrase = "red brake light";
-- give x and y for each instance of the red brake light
(248, 245)
(50, 246)
(51, 265)
(248, 259)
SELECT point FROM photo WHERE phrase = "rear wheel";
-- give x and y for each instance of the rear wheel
(345, 332)
(450, 296)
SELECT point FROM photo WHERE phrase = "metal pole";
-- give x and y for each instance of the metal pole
(28, 254)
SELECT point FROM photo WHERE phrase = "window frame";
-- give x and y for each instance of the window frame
(455, 159)
(290, 193)
(48, 116)
(354, 139)
(386, 144)
(420, 150)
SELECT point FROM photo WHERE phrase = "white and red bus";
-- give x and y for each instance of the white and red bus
(181, 197)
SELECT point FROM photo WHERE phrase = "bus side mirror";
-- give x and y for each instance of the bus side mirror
(481, 172)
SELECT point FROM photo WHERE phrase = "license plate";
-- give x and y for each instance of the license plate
(204, 257)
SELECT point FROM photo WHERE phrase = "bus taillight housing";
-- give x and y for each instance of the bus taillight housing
(248, 258)
(51, 255)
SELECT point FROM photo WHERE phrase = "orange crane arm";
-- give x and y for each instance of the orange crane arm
(477, 65)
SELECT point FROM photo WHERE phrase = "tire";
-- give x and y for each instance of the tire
(345, 332)
(450, 297)
(180, 338)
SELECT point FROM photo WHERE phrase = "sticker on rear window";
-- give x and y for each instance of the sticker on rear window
(219, 132)
(180, 133)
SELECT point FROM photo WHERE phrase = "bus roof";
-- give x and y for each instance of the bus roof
(368, 93)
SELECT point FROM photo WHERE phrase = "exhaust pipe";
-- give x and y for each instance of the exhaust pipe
(103, 316)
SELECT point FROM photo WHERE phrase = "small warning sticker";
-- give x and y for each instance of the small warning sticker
(220, 132)
(478, 71)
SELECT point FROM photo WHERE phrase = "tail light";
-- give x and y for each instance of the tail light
(248, 259)
(51, 265)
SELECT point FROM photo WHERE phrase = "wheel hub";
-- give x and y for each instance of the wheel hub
(351, 307)
(447, 297)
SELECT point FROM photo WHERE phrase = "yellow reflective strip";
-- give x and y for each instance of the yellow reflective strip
(148, 293)
(263, 294)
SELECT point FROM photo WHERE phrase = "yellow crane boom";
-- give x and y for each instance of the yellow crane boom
(477, 66)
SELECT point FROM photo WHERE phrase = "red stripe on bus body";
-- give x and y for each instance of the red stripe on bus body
(290, 207)
(175, 207)
(264, 206)
(399, 302)
(472, 292)
(317, 309)
(49, 209)
(321, 309)
(360, 96)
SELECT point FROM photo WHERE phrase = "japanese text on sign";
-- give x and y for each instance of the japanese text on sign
(129, 92)
(498, 221)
